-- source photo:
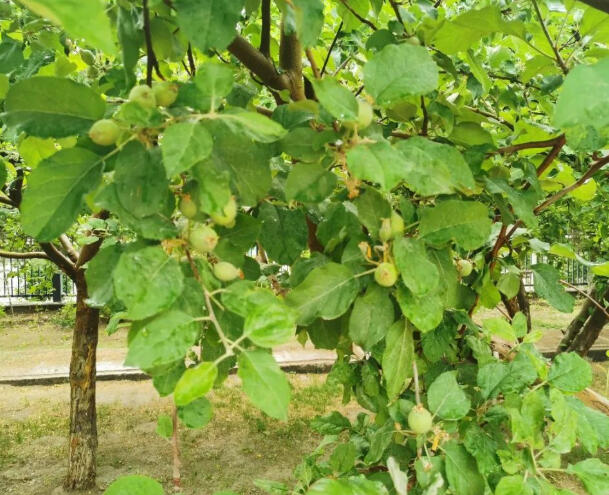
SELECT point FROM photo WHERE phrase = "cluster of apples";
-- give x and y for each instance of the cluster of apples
(106, 132)
(386, 274)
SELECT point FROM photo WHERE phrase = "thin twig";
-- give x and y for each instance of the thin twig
(24, 256)
(191, 60)
(359, 17)
(332, 45)
(559, 59)
(396, 9)
(415, 372)
(528, 145)
(425, 126)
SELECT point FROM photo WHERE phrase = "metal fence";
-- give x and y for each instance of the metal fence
(572, 271)
(24, 281)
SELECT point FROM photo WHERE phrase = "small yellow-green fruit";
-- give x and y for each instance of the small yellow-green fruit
(188, 207)
(386, 274)
(465, 267)
(166, 93)
(203, 238)
(420, 420)
(397, 225)
(385, 232)
(413, 40)
(87, 57)
(226, 272)
(104, 132)
(365, 114)
(228, 215)
(143, 96)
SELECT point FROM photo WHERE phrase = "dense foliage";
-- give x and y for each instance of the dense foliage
(351, 172)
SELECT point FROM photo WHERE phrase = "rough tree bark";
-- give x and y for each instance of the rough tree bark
(519, 303)
(83, 415)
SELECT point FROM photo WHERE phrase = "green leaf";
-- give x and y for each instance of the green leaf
(349, 486)
(139, 178)
(284, 233)
(377, 162)
(254, 125)
(270, 325)
(512, 485)
(501, 328)
(398, 358)
(446, 398)
(52, 107)
(161, 341)
(460, 33)
(418, 272)
(462, 471)
(305, 18)
(80, 19)
(135, 485)
(195, 383)
(214, 82)
(209, 23)
(424, 312)
(247, 162)
(434, 168)
(55, 192)
(309, 183)
(547, 285)
(389, 76)
(465, 222)
(570, 373)
(336, 99)
(147, 281)
(184, 144)
(11, 56)
(100, 287)
(594, 474)
(196, 414)
(371, 317)
(580, 112)
(327, 292)
(264, 383)
(164, 426)
(343, 458)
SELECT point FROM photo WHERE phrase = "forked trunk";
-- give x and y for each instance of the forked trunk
(83, 418)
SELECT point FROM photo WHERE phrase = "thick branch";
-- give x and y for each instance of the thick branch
(23, 256)
(7, 201)
(552, 155)
(559, 59)
(67, 245)
(265, 35)
(59, 259)
(88, 251)
(255, 61)
(313, 64)
(290, 60)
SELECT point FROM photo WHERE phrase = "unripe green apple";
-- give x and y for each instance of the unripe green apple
(413, 40)
(87, 57)
(166, 93)
(465, 267)
(203, 238)
(386, 274)
(420, 420)
(143, 95)
(226, 271)
(104, 132)
(385, 232)
(228, 215)
(188, 207)
(365, 114)
(397, 225)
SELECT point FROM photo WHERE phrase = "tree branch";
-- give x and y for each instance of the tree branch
(396, 9)
(7, 201)
(588, 296)
(559, 59)
(151, 61)
(290, 60)
(67, 245)
(88, 251)
(425, 126)
(255, 61)
(24, 256)
(507, 150)
(332, 45)
(265, 35)
(359, 17)
(504, 122)
(313, 64)
(59, 259)
(560, 142)
(191, 60)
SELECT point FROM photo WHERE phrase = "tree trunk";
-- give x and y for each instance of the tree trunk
(577, 323)
(589, 333)
(83, 418)
(524, 304)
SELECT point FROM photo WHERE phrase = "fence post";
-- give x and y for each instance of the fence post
(56, 287)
